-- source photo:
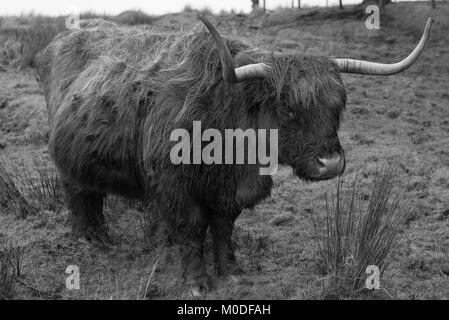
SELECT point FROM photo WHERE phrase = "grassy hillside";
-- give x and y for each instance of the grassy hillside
(402, 118)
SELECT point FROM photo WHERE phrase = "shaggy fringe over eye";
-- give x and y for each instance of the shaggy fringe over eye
(307, 80)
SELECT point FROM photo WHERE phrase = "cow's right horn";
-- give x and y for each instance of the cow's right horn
(383, 69)
(231, 74)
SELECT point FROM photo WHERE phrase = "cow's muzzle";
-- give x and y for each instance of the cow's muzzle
(330, 166)
(323, 167)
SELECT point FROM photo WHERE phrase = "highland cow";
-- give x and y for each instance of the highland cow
(115, 94)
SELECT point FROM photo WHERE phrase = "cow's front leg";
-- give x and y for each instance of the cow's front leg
(222, 226)
(194, 228)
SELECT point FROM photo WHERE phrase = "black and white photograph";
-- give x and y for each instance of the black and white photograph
(224, 155)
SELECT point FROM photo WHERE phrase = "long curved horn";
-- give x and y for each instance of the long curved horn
(366, 67)
(231, 74)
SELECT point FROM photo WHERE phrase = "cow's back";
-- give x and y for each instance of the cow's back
(71, 52)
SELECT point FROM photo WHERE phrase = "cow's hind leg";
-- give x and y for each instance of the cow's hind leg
(194, 229)
(221, 227)
(86, 208)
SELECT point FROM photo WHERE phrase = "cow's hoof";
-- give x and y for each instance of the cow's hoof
(199, 286)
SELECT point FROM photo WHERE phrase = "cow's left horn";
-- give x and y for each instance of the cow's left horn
(366, 67)
(231, 74)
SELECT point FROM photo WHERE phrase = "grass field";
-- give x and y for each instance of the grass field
(402, 118)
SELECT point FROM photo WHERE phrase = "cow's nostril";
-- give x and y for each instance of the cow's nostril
(329, 161)
(321, 161)
(331, 165)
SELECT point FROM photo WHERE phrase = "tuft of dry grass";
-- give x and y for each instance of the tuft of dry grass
(28, 188)
(11, 198)
(353, 236)
(41, 184)
(11, 259)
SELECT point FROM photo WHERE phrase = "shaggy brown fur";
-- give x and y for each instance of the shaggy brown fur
(115, 95)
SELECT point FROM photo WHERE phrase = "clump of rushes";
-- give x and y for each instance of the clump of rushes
(352, 236)
(11, 197)
(41, 183)
(11, 258)
(28, 188)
